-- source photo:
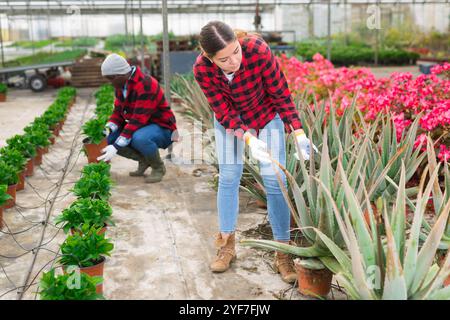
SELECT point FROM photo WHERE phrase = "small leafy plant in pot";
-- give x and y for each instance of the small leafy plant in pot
(39, 136)
(94, 212)
(3, 92)
(9, 176)
(4, 196)
(95, 140)
(94, 186)
(23, 144)
(86, 250)
(15, 159)
(69, 286)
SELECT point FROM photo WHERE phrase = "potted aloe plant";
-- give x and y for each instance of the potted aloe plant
(3, 92)
(23, 144)
(9, 177)
(70, 286)
(86, 250)
(95, 140)
(397, 266)
(15, 159)
(4, 196)
(93, 212)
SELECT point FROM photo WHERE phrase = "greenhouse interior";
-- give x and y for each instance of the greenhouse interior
(225, 150)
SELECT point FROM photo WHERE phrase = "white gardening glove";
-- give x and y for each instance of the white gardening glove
(108, 153)
(258, 148)
(109, 127)
(303, 144)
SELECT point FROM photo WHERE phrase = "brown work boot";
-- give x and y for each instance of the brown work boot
(285, 267)
(226, 252)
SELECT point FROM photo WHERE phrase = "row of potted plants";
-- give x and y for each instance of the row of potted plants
(85, 221)
(86, 247)
(93, 129)
(23, 152)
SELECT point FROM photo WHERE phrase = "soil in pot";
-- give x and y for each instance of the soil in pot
(314, 279)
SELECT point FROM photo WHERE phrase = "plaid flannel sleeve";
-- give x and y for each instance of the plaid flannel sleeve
(276, 85)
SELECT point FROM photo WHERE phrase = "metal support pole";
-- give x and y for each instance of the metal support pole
(141, 33)
(166, 66)
(329, 32)
(1, 42)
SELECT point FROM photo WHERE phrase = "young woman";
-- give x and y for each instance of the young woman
(249, 95)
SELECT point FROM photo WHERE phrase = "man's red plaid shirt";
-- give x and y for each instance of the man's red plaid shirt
(144, 104)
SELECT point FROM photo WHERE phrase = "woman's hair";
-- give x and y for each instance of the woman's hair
(216, 35)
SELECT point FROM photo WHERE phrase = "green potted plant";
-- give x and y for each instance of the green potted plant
(102, 168)
(95, 186)
(3, 92)
(15, 159)
(4, 197)
(86, 250)
(70, 286)
(93, 212)
(95, 140)
(9, 177)
(39, 136)
(24, 145)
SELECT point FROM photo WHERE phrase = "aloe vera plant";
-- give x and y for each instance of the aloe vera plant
(394, 266)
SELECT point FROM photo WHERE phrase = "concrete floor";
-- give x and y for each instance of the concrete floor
(163, 235)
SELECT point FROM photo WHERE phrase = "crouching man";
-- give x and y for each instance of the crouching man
(142, 121)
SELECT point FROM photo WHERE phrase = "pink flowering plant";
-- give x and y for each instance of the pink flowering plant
(406, 98)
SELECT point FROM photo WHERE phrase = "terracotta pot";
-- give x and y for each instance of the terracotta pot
(38, 157)
(29, 169)
(261, 204)
(12, 192)
(21, 183)
(102, 231)
(313, 283)
(1, 218)
(45, 150)
(441, 262)
(94, 271)
(56, 131)
(2, 97)
(94, 150)
(52, 140)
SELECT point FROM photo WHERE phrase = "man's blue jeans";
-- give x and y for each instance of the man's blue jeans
(147, 140)
(229, 153)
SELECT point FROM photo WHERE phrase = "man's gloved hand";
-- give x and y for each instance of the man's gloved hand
(303, 144)
(108, 153)
(258, 148)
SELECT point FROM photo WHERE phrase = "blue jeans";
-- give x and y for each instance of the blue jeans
(148, 139)
(229, 153)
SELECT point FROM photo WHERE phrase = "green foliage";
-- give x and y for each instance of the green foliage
(38, 133)
(81, 42)
(85, 249)
(13, 157)
(33, 44)
(95, 213)
(8, 174)
(47, 57)
(3, 195)
(72, 286)
(95, 186)
(120, 42)
(93, 129)
(102, 168)
(3, 88)
(346, 55)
